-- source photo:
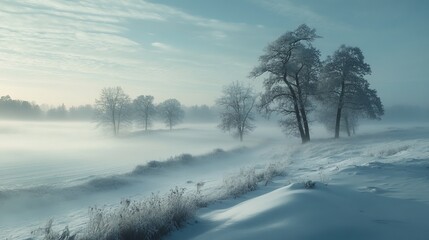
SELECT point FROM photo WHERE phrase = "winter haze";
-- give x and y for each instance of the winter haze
(244, 119)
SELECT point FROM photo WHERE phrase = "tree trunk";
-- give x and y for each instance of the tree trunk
(114, 122)
(145, 124)
(118, 123)
(296, 109)
(340, 106)
(240, 132)
(302, 108)
(305, 123)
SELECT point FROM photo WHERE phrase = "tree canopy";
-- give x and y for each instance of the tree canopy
(171, 112)
(236, 109)
(113, 108)
(291, 64)
(145, 109)
(345, 87)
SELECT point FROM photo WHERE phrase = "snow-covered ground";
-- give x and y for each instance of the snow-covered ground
(58, 170)
(371, 186)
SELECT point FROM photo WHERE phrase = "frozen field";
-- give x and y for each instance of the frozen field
(371, 186)
(58, 170)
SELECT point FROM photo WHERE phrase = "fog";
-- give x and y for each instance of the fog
(59, 169)
(102, 101)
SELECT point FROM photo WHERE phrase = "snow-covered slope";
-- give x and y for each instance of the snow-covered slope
(370, 186)
(373, 186)
(326, 212)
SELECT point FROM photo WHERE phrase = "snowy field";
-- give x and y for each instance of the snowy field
(58, 170)
(370, 186)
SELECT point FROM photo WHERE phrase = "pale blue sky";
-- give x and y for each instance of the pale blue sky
(66, 51)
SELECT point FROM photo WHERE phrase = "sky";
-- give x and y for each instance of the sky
(66, 51)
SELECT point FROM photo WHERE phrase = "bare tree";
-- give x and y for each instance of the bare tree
(145, 109)
(113, 108)
(292, 65)
(171, 112)
(236, 109)
(345, 86)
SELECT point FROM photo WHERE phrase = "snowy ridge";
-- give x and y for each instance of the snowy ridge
(183, 159)
(372, 186)
(98, 184)
(101, 183)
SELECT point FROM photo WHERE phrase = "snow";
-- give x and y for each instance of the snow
(326, 212)
(58, 170)
(370, 186)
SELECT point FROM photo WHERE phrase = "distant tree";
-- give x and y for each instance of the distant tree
(113, 108)
(236, 109)
(344, 85)
(82, 112)
(145, 109)
(18, 109)
(171, 112)
(200, 113)
(57, 113)
(292, 66)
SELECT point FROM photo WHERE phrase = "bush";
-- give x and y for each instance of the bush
(274, 170)
(151, 218)
(247, 179)
(155, 216)
(309, 184)
(49, 234)
(237, 185)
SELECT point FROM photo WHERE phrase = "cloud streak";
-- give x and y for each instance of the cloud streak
(164, 47)
(87, 39)
(48, 47)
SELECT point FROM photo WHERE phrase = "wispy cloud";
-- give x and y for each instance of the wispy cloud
(164, 47)
(90, 44)
(86, 37)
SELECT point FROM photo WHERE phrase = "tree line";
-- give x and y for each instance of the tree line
(296, 80)
(115, 109)
(24, 110)
(16, 109)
